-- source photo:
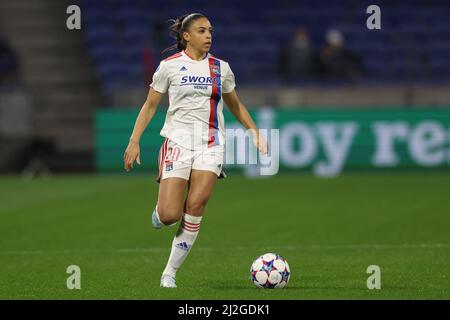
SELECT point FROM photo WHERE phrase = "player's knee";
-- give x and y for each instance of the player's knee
(168, 215)
(196, 206)
(170, 219)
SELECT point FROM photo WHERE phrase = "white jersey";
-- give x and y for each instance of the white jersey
(194, 119)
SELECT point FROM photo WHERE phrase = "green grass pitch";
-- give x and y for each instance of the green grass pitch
(329, 230)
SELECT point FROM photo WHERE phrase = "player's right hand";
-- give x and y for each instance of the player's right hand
(132, 153)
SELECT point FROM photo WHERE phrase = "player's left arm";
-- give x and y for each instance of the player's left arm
(241, 113)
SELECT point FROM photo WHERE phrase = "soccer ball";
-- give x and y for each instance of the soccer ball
(270, 271)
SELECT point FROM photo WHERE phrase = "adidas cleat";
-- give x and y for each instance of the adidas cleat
(155, 221)
(168, 281)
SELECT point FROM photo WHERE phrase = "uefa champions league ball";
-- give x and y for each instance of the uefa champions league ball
(270, 271)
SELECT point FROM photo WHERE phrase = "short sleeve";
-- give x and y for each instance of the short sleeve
(160, 81)
(228, 83)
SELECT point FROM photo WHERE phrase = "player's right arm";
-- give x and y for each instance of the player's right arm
(132, 153)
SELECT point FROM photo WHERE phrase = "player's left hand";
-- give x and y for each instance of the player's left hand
(260, 142)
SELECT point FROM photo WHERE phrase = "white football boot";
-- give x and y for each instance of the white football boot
(155, 221)
(168, 281)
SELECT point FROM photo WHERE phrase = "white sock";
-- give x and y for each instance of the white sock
(182, 243)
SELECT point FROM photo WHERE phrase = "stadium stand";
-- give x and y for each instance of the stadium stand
(65, 76)
(413, 45)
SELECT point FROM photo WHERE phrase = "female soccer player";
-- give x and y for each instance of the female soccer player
(191, 155)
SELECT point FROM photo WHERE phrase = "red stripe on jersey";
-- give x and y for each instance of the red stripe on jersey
(213, 103)
(176, 55)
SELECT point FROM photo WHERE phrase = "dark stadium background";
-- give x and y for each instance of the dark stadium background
(69, 98)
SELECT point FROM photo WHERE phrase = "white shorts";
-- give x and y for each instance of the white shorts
(175, 161)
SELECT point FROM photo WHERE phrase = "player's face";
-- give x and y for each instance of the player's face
(199, 35)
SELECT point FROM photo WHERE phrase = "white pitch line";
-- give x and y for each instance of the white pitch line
(275, 248)
(308, 247)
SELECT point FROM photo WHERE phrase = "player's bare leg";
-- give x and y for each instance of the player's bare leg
(201, 185)
(169, 208)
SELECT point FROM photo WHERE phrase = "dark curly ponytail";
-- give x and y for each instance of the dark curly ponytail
(179, 26)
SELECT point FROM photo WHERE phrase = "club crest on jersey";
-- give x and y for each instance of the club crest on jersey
(215, 69)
